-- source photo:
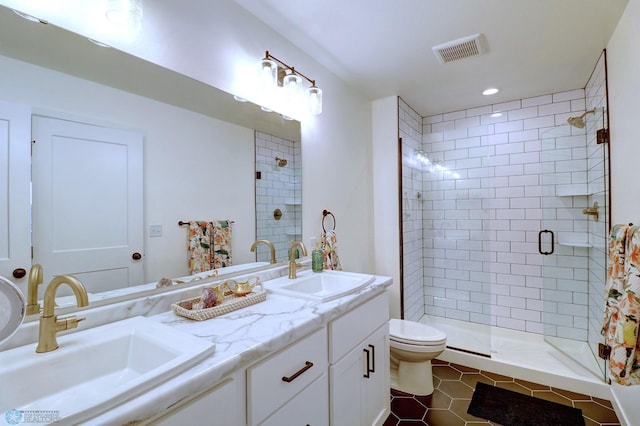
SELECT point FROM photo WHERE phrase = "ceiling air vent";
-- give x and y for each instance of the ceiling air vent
(461, 48)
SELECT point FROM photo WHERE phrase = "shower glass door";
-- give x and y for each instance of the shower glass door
(572, 239)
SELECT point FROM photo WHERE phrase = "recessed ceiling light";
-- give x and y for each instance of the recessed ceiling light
(490, 91)
(496, 115)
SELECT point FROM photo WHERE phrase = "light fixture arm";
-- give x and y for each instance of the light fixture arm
(267, 55)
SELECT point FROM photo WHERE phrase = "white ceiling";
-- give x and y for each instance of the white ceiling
(384, 47)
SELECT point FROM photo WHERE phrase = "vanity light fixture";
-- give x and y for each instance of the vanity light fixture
(280, 79)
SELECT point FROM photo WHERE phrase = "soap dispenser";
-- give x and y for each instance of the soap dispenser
(316, 259)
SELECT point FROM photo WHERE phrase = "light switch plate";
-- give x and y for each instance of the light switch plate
(155, 230)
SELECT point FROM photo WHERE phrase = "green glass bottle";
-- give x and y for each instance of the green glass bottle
(316, 259)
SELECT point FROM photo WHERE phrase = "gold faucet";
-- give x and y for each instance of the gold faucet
(293, 266)
(35, 279)
(49, 323)
(271, 247)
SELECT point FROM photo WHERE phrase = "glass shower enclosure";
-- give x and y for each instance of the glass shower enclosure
(573, 237)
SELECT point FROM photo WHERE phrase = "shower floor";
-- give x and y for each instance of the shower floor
(521, 355)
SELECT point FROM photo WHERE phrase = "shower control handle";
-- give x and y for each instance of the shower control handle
(545, 231)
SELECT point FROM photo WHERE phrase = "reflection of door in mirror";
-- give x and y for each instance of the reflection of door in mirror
(15, 249)
(278, 194)
(87, 198)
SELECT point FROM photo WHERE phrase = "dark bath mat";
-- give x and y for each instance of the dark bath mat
(511, 408)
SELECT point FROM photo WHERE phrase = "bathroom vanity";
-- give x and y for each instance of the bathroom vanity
(309, 363)
(282, 361)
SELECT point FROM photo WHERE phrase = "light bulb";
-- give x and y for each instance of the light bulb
(291, 86)
(268, 74)
(314, 99)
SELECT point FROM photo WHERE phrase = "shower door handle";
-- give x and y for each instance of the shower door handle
(545, 231)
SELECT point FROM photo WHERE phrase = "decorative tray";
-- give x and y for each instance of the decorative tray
(230, 303)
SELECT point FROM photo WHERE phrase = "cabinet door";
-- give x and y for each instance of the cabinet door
(375, 387)
(310, 407)
(360, 383)
(345, 392)
(223, 405)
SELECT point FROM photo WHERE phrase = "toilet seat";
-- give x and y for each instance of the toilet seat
(415, 334)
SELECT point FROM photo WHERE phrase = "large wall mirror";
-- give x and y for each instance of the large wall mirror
(199, 154)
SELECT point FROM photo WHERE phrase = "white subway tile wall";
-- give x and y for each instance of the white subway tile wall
(277, 188)
(471, 216)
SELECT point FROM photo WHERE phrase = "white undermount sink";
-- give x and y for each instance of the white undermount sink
(96, 369)
(321, 286)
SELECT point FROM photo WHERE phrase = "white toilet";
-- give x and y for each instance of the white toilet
(412, 346)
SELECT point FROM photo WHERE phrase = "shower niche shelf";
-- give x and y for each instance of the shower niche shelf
(575, 244)
(574, 239)
(572, 190)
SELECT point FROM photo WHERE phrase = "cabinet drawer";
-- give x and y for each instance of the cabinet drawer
(357, 324)
(300, 364)
(310, 407)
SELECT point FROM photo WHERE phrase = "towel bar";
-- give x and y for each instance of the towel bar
(183, 223)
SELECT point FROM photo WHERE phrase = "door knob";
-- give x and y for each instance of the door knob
(19, 273)
(136, 256)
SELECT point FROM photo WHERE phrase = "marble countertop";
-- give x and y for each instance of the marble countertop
(241, 338)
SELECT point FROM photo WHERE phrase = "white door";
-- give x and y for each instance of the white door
(15, 170)
(87, 203)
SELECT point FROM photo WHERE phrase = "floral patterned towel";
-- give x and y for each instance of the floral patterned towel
(200, 240)
(209, 245)
(622, 311)
(329, 246)
(221, 243)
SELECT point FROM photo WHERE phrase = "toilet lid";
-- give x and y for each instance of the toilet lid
(415, 333)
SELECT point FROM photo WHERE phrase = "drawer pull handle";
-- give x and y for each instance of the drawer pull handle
(366, 375)
(307, 365)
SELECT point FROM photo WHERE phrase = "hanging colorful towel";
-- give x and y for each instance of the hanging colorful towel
(329, 246)
(221, 243)
(622, 311)
(200, 241)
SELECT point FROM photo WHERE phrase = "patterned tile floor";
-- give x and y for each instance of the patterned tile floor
(454, 385)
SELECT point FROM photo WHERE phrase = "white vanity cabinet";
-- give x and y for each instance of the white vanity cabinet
(291, 385)
(359, 370)
(224, 404)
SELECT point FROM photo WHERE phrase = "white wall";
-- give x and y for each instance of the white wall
(195, 167)
(623, 62)
(385, 197)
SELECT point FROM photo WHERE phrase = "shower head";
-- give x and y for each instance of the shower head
(579, 121)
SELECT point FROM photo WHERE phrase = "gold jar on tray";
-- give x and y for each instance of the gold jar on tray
(242, 288)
